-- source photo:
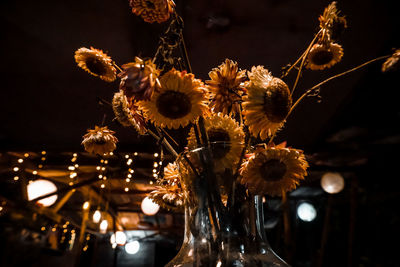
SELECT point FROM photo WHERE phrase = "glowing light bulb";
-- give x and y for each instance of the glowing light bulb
(15, 169)
(332, 182)
(306, 212)
(20, 160)
(132, 247)
(155, 155)
(86, 205)
(40, 188)
(149, 207)
(103, 226)
(96, 216)
(119, 238)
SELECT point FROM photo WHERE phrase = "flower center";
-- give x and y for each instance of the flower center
(150, 5)
(173, 105)
(96, 66)
(219, 149)
(273, 170)
(277, 104)
(322, 57)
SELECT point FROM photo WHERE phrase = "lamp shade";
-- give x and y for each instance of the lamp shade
(40, 188)
(149, 207)
(306, 212)
(132, 247)
(332, 182)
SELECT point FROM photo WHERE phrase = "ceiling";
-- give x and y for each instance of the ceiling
(47, 102)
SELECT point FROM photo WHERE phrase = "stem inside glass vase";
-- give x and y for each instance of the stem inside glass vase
(217, 234)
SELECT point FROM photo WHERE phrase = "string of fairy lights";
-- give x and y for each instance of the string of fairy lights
(99, 215)
(73, 168)
(331, 183)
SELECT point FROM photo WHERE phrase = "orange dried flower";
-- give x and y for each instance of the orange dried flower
(139, 79)
(100, 140)
(225, 86)
(153, 10)
(95, 62)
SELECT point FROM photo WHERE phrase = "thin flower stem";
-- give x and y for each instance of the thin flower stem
(303, 60)
(231, 197)
(115, 65)
(331, 78)
(239, 107)
(169, 136)
(165, 143)
(325, 81)
(103, 120)
(185, 54)
(171, 149)
(300, 58)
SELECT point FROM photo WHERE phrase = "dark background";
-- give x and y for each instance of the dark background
(47, 102)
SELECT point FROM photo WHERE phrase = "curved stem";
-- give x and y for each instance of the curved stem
(300, 58)
(165, 143)
(309, 91)
(331, 78)
(169, 136)
(185, 55)
(303, 60)
(115, 65)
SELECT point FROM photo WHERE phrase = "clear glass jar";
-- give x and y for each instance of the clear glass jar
(224, 225)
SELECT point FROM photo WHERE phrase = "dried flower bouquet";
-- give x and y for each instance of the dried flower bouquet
(233, 117)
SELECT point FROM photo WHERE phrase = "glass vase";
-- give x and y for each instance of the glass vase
(224, 224)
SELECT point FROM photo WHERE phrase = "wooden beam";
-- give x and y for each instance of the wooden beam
(64, 200)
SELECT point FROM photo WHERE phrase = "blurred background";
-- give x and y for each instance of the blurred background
(47, 103)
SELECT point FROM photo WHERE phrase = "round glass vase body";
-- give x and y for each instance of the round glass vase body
(224, 225)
